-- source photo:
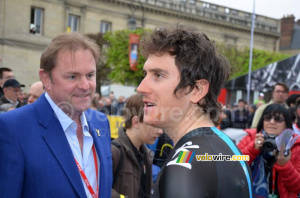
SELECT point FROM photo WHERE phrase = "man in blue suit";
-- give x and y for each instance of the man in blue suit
(57, 146)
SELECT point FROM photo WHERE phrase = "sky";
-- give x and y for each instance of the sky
(270, 8)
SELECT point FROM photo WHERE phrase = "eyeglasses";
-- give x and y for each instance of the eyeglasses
(15, 89)
(280, 92)
(277, 119)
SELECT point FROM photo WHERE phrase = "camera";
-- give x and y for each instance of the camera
(269, 143)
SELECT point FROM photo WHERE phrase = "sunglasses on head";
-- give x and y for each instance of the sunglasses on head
(277, 118)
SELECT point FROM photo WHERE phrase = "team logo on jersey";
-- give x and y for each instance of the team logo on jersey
(185, 157)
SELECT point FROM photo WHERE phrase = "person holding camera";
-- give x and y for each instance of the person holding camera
(274, 173)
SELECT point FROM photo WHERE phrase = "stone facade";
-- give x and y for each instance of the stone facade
(20, 50)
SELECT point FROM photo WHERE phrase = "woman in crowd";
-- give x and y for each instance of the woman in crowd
(274, 173)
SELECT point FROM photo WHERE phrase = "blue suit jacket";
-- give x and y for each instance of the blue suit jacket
(36, 159)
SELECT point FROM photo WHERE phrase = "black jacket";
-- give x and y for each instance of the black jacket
(3, 100)
(128, 180)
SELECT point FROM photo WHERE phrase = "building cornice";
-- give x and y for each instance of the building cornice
(189, 13)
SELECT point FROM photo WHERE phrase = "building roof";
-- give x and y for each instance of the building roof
(296, 37)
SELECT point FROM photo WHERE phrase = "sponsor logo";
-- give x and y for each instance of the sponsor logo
(184, 156)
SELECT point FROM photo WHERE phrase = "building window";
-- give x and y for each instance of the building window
(214, 7)
(234, 12)
(36, 21)
(205, 5)
(227, 10)
(185, 1)
(105, 26)
(73, 23)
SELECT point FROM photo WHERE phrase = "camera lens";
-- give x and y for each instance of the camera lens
(269, 145)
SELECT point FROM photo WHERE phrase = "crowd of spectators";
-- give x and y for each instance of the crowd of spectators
(275, 172)
(244, 115)
(11, 94)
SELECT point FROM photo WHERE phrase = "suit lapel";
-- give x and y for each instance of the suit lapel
(58, 144)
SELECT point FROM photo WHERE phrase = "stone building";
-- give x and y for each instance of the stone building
(27, 26)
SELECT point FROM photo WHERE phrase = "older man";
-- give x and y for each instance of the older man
(35, 91)
(11, 88)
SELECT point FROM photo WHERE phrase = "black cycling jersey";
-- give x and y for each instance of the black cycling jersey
(183, 176)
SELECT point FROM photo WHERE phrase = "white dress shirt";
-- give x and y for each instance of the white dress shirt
(86, 159)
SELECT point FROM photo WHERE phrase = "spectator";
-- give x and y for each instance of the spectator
(260, 99)
(95, 103)
(225, 119)
(240, 115)
(184, 75)
(160, 151)
(97, 96)
(272, 175)
(252, 109)
(296, 125)
(133, 171)
(279, 95)
(101, 107)
(6, 107)
(22, 97)
(163, 148)
(259, 103)
(109, 109)
(113, 100)
(57, 146)
(120, 105)
(11, 90)
(112, 96)
(5, 74)
(291, 102)
(35, 91)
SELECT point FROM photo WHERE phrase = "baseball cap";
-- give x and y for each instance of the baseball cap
(261, 94)
(12, 83)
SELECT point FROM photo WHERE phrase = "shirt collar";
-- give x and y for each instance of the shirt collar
(63, 118)
(12, 102)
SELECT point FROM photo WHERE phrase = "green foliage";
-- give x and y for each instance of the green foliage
(118, 58)
(102, 70)
(239, 59)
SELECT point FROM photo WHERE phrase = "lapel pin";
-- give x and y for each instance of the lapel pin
(98, 132)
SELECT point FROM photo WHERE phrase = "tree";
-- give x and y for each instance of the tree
(117, 58)
(102, 70)
(239, 58)
(118, 62)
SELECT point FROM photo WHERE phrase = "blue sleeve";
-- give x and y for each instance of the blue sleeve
(11, 161)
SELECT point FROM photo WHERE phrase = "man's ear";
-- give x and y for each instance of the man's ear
(5, 90)
(135, 122)
(45, 78)
(200, 90)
